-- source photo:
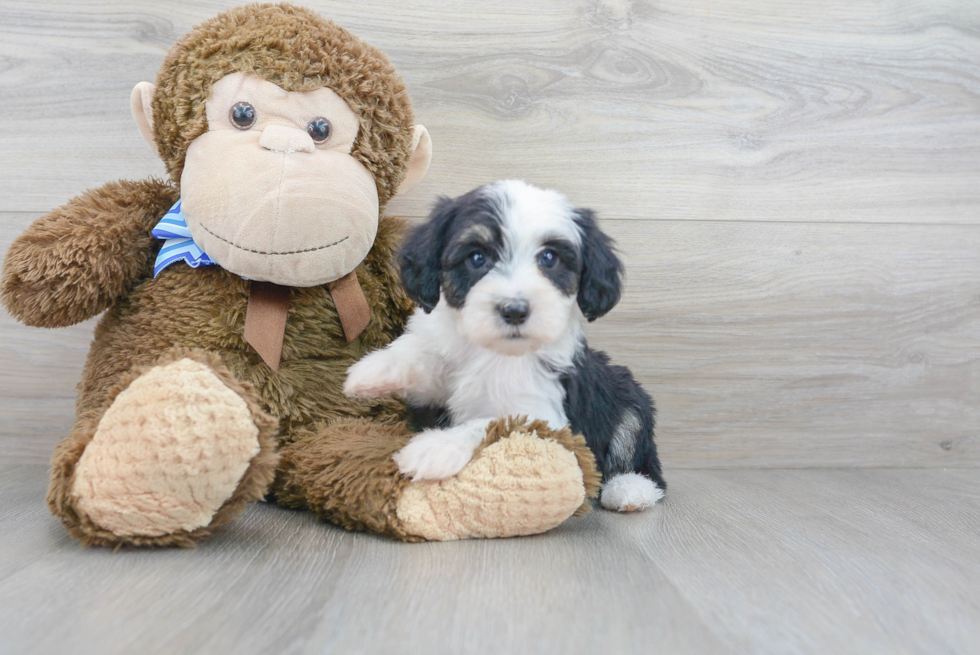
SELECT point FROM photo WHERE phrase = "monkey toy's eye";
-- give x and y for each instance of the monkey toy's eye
(476, 260)
(319, 129)
(547, 258)
(242, 115)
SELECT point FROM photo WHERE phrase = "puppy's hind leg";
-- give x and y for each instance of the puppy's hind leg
(634, 481)
(630, 492)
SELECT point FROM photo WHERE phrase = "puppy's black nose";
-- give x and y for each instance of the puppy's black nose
(514, 312)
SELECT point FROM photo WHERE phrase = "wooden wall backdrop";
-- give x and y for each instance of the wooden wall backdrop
(795, 188)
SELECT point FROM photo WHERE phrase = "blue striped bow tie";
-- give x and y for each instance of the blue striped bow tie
(179, 244)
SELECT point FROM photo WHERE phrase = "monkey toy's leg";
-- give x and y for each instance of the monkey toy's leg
(524, 479)
(177, 450)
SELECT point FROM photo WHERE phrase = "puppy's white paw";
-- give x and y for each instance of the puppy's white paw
(436, 454)
(377, 375)
(630, 492)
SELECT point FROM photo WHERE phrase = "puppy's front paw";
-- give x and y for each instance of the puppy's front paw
(377, 376)
(433, 455)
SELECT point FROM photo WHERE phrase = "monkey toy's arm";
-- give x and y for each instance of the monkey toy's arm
(72, 263)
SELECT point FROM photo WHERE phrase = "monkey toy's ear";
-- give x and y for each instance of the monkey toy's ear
(601, 283)
(418, 163)
(140, 103)
(421, 256)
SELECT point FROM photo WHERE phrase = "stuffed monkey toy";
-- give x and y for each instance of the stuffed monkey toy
(237, 294)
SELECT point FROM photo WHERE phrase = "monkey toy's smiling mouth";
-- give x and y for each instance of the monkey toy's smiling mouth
(304, 219)
(269, 252)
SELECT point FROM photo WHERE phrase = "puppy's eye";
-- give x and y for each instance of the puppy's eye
(476, 260)
(319, 129)
(242, 115)
(548, 258)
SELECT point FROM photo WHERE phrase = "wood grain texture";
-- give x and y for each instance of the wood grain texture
(791, 299)
(826, 561)
(777, 344)
(729, 110)
(860, 561)
(764, 344)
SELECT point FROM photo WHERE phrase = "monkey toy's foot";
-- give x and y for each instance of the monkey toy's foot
(525, 479)
(179, 451)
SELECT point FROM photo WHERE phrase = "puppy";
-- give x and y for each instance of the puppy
(503, 277)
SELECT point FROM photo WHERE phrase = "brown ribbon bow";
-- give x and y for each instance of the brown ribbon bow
(268, 304)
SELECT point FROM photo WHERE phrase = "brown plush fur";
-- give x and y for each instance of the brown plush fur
(343, 471)
(96, 254)
(252, 486)
(73, 263)
(298, 50)
(205, 308)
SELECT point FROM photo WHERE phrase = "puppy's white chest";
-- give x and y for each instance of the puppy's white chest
(486, 384)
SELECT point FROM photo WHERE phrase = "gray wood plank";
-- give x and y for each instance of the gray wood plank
(825, 560)
(836, 111)
(572, 590)
(27, 530)
(764, 344)
(780, 344)
(777, 561)
(281, 582)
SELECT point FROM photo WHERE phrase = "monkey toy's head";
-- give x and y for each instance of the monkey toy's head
(286, 135)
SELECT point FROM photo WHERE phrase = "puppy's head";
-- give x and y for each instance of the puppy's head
(514, 263)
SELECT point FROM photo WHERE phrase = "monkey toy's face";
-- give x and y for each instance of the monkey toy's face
(271, 191)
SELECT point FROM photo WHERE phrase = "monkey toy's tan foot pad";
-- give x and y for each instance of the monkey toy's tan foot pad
(524, 479)
(183, 443)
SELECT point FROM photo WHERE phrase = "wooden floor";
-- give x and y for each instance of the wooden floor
(795, 189)
(747, 561)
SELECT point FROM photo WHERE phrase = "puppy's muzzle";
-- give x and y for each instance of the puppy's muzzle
(514, 312)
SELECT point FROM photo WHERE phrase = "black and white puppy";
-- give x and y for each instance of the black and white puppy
(503, 277)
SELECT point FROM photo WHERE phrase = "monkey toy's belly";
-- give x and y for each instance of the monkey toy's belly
(205, 308)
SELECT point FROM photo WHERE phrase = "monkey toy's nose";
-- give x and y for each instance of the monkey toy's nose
(279, 138)
(514, 312)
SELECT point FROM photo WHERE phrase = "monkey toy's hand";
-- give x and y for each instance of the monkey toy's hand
(381, 374)
(73, 263)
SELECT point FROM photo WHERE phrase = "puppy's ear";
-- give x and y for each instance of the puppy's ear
(601, 283)
(421, 256)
